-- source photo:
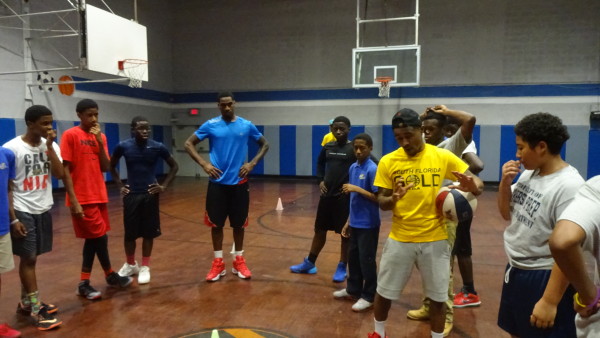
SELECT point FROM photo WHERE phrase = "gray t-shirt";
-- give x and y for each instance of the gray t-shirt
(537, 202)
(584, 210)
(457, 145)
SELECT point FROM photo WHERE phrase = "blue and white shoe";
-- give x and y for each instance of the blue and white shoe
(305, 267)
(340, 273)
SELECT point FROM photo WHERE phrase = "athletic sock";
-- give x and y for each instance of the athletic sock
(380, 327)
(312, 258)
(470, 287)
(108, 272)
(85, 275)
(146, 261)
(34, 301)
(131, 259)
(219, 254)
(437, 335)
(238, 253)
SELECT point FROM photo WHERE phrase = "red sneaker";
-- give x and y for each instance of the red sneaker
(216, 271)
(240, 268)
(374, 335)
(465, 299)
(8, 332)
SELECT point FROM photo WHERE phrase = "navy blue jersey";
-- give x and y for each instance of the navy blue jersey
(141, 160)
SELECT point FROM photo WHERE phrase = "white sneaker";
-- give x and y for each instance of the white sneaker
(129, 270)
(341, 294)
(361, 305)
(144, 275)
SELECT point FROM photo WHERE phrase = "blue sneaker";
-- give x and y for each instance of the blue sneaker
(305, 267)
(340, 273)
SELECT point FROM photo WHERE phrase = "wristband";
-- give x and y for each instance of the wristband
(14, 221)
(578, 301)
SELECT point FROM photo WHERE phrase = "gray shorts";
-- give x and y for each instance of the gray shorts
(399, 258)
(39, 234)
(6, 257)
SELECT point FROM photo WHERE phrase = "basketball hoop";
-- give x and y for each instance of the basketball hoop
(134, 69)
(384, 85)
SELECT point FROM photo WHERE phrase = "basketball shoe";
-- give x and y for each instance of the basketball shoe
(8, 332)
(305, 267)
(129, 269)
(216, 271)
(466, 299)
(84, 289)
(240, 268)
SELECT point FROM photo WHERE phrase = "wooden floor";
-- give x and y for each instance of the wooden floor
(274, 303)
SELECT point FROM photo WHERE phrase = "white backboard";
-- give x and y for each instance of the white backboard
(111, 38)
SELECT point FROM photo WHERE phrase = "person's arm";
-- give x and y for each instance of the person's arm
(510, 170)
(348, 188)
(76, 209)
(468, 182)
(565, 244)
(114, 161)
(474, 162)
(56, 167)
(190, 148)
(467, 120)
(321, 170)
(544, 310)
(156, 188)
(17, 228)
(248, 166)
(102, 155)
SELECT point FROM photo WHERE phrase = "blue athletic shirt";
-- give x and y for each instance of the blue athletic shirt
(228, 142)
(7, 172)
(141, 162)
(364, 213)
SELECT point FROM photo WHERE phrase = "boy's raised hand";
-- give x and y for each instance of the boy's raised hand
(510, 170)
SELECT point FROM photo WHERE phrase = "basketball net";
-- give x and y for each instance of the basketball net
(134, 69)
(384, 86)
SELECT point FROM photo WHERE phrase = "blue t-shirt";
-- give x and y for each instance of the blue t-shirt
(364, 213)
(228, 143)
(7, 172)
(141, 160)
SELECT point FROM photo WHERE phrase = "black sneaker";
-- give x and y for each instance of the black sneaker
(46, 321)
(118, 281)
(84, 289)
(26, 310)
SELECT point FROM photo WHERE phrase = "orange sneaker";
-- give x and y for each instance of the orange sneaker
(216, 271)
(240, 268)
(466, 299)
(374, 335)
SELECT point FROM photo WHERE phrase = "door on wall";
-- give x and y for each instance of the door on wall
(187, 166)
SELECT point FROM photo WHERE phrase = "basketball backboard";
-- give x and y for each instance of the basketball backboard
(399, 63)
(110, 39)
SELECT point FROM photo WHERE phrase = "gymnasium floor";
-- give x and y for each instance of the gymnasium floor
(274, 303)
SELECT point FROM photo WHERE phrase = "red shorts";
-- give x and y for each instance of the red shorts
(94, 223)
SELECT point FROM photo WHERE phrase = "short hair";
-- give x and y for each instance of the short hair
(137, 119)
(365, 137)
(545, 127)
(431, 115)
(406, 117)
(225, 94)
(34, 112)
(85, 104)
(342, 119)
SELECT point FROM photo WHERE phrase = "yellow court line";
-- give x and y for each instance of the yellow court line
(243, 333)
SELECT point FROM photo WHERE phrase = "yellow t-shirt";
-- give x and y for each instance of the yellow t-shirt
(415, 217)
(328, 138)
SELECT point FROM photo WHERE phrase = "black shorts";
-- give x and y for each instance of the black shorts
(224, 201)
(332, 213)
(39, 234)
(141, 216)
(462, 244)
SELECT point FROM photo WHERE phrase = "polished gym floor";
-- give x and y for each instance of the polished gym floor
(274, 303)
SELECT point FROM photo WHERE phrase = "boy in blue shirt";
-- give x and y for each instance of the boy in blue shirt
(228, 194)
(141, 216)
(362, 227)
